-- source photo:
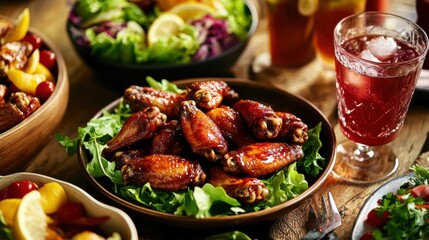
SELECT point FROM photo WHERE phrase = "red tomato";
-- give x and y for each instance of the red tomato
(19, 189)
(47, 58)
(70, 211)
(375, 220)
(34, 40)
(421, 191)
(366, 236)
(44, 90)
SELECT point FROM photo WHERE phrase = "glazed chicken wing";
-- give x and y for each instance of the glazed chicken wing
(140, 98)
(261, 119)
(231, 125)
(210, 94)
(139, 126)
(293, 130)
(260, 159)
(201, 132)
(245, 189)
(122, 157)
(17, 108)
(163, 172)
(170, 140)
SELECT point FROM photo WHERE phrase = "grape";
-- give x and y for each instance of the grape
(44, 90)
(34, 40)
(47, 58)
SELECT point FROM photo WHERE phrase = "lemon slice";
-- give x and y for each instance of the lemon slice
(30, 219)
(32, 62)
(165, 25)
(307, 7)
(21, 27)
(53, 196)
(8, 209)
(42, 70)
(192, 10)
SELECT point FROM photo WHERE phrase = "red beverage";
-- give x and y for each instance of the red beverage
(374, 94)
(290, 34)
(422, 7)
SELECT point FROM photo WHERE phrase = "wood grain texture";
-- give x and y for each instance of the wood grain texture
(88, 96)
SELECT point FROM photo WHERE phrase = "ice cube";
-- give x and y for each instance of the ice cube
(382, 47)
(367, 55)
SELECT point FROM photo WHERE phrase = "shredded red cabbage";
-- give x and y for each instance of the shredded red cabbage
(214, 37)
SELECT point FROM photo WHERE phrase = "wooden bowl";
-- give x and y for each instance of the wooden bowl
(280, 101)
(118, 221)
(19, 144)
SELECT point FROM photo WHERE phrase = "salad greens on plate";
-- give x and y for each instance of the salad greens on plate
(201, 202)
(120, 30)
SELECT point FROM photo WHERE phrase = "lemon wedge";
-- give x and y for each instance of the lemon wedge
(8, 209)
(42, 70)
(192, 10)
(32, 62)
(307, 7)
(165, 25)
(30, 219)
(21, 27)
(53, 196)
(25, 82)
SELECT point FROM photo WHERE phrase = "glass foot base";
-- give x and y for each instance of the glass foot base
(362, 164)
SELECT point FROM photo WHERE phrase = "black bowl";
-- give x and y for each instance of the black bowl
(120, 76)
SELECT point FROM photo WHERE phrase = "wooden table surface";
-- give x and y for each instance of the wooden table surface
(88, 96)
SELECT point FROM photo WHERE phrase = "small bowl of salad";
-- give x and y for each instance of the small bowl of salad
(34, 91)
(34, 206)
(125, 41)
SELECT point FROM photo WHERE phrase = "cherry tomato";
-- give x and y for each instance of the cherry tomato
(421, 191)
(47, 58)
(70, 211)
(44, 90)
(19, 189)
(34, 40)
(366, 236)
(375, 220)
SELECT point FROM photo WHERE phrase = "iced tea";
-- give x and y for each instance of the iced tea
(375, 83)
(330, 12)
(290, 34)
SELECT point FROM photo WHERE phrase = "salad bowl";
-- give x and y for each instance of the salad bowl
(280, 101)
(118, 221)
(119, 75)
(19, 143)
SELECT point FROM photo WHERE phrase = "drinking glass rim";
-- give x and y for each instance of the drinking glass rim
(413, 24)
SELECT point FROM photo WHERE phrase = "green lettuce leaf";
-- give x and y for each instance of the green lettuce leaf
(164, 85)
(312, 162)
(239, 17)
(234, 235)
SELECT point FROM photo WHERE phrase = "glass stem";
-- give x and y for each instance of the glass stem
(363, 152)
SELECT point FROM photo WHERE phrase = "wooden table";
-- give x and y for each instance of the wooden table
(88, 96)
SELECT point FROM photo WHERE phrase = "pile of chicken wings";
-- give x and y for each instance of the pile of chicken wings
(207, 134)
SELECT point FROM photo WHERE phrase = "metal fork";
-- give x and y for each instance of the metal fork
(326, 216)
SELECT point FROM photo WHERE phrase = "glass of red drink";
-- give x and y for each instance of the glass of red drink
(378, 58)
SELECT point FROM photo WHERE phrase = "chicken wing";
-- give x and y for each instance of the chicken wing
(231, 125)
(261, 119)
(293, 130)
(210, 94)
(244, 189)
(260, 159)
(139, 126)
(201, 132)
(140, 98)
(164, 172)
(18, 107)
(170, 140)
(122, 157)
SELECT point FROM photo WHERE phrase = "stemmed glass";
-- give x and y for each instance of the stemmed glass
(378, 58)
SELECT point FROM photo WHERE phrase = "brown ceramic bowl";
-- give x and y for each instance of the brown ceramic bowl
(19, 144)
(280, 101)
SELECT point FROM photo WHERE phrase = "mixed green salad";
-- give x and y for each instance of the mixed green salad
(201, 202)
(404, 214)
(141, 32)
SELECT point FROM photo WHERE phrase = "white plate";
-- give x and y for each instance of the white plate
(360, 227)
